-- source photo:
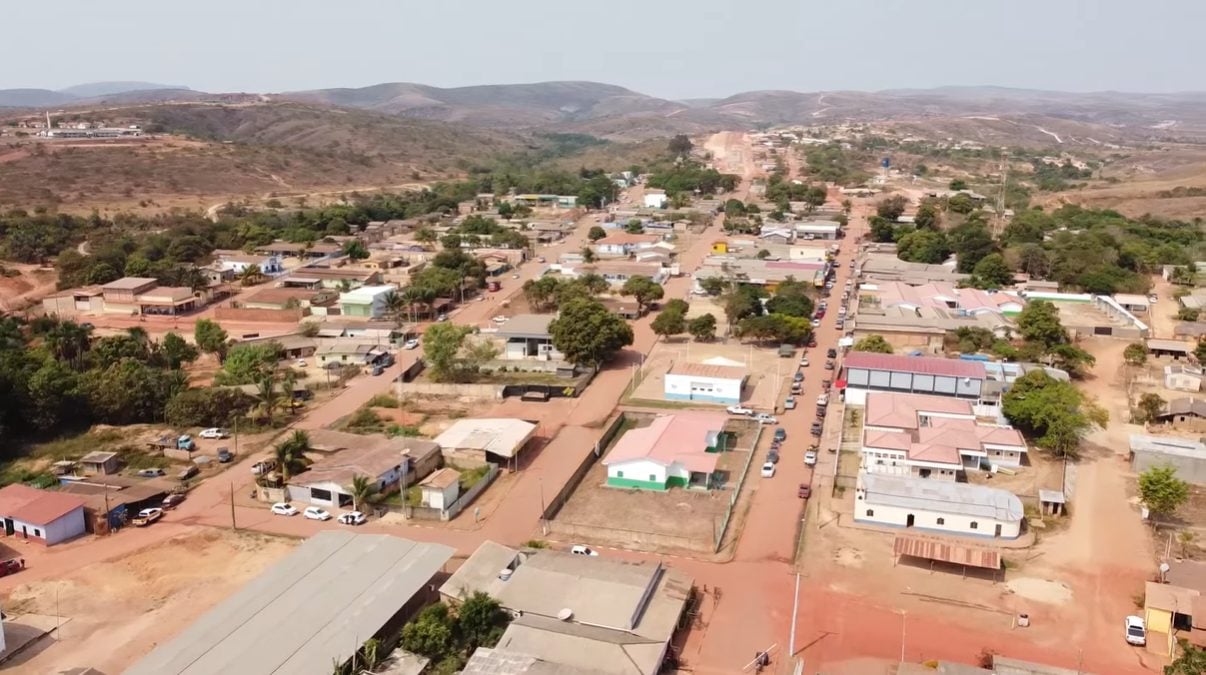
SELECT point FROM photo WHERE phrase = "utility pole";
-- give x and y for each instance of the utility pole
(233, 526)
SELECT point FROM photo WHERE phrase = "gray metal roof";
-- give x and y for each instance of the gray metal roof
(941, 496)
(532, 326)
(317, 605)
(1168, 445)
(486, 661)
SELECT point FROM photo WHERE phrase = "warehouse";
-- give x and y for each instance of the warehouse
(705, 383)
(864, 372)
(1185, 455)
(938, 506)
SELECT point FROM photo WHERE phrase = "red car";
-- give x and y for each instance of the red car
(805, 491)
(11, 566)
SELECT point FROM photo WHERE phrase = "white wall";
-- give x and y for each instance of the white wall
(655, 201)
(952, 523)
(693, 387)
(66, 527)
(638, 469)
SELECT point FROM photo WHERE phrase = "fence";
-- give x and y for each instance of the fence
(632, 538)
(467, 498)
(259, 315)
(493, 392)
(728, 512)
(588, 460)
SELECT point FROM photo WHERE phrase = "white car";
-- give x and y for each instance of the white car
(738, 410)
(500, 319)
(283, 509)
(1153, 298)
(442, 317)
(352, 518)
(804, 362)
(768, 470)
(763, 418)
(579, 549)
(810, 458)
(411, 344)
(213, 432)
(1136, 631)
(315, 513)
(816, 323)
(300, 363)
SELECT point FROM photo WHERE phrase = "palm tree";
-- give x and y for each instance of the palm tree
(847, 206)
(68, 341)
(267, 390)
(364, 491)
(291, 453)
(395, 307)
(251, 275)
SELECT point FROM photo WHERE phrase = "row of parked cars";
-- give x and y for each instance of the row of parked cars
(318, 513)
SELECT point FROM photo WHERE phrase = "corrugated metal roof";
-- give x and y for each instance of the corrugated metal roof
(915, 364)
(946, 551)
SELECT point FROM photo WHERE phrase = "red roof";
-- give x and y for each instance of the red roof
(925, 365)
(34, 506)
(681, 438)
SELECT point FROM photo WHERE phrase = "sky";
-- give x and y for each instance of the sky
(666, 48)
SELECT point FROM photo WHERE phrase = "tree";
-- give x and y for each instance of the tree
(634, 226)
(644, 289)
(596, 233)
(928, 216)
(668, 323)
(1199, 352)
(742, 302)
(1033, 260)
(1162, 491)
(355, 249)
(290, 454)
(442, 343)
(680, 145)
(971, 243)
(177, 351)
(364, 491)
(130, 392)
(55, 398)
(873, 343)
(923, 246)
(248, 363)
(210, 338)
(702, 328)
(1192, 660)
(882, 229)
(430, 633)
(1185, 538)
(425, 235)
(713, 286)
(1149, 408)
(958, 184)
(588, 254)
(1135, 354)
(791, 299)
(1039, 322)
(676, 305)
(589, 334)
(541, 293)
(960, 203)
(992, 272)
(480, 622)
(251, 275)
(892, 208)
(1053, 413)
(207, 407)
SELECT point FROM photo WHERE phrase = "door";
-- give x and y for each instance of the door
(909, 521)
(998, 530)
(8, 526)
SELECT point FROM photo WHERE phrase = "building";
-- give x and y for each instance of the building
(43, 516)
(777, 236)
(366, 301)
(390, 463)
(655, 199)
(349, 351)
(1190, 330)
(1187, 456)
(308, 611)
(919, 330)
(932, 437)
(819, 229)
(680, 450)
(705, 382)
(1187, 411)
(767, 273)
(1182, 377)
(100, 463)
(1132, 302)
(441, 489)
(863, 372)
(237, 263)
(1176, 609)
(485, 440)
(583, 613)
(945, 507)
(128, 295)
(75, 301)
(619, 244)
(1174, 349)
(887, 267)
(285, 298)
(616, 272)
(942, 296)
(332, 278)
(526, 336)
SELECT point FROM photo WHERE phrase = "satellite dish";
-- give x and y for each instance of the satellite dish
(565, 614)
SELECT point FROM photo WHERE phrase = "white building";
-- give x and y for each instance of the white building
(624, 243)
(705, 382)
(938, 506)
(655, 199)
(40, 516)
(440, 489)
(818, 229)
(366, 301)
(1182, 377)
(679, 450)
(239, 262)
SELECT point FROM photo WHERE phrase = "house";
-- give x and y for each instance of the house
(766, 273)
(1187, 411)
(333, 278)
(100, 463)
(1183, 377)
(1187, 456)
(819, 229)
(366, 301)
(1175, 608)
(1190, 330)
(349, 351)
(284, 298)
(863, 372)
(922, 329)
(940, 295)
(140, 295)
(932, 437)
(884, 266)
(1133, 302)
(310, 610)
(582, 614)
(616, 272)
(945, 507)
(526, 336)
(391, 464)
(237, 263)
(655, 199)
(779, 236)
(1169, 348)
(623, 243)
(43, 516)
(705, 382)
(441, 489)
(74, 301)
(485, 440)
(680, 450)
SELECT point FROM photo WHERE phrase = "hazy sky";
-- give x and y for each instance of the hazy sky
(669, 48)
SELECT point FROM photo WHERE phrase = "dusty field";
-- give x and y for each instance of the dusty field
(120, 609)
(1082, 315)
(28, 286)
(769, 375)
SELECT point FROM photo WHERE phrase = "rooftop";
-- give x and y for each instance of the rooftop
(626, 238)
(328, 612)
(128, 284)
(1186, 405)
(708, 370)
(940, 295)
(486, 661)
(280, 295)
(496, 435)
(1169, 346)
(97, 457)
(339, 468)
(34, 506)
(531, 326)
(924, 365)
(903, 411)
(941, 496)
(441, 478)
(366, 294)
(167, 294)
(1168, 445)
(1131, 299)
(681, 438)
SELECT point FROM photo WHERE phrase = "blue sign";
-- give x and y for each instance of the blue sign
(887, 161)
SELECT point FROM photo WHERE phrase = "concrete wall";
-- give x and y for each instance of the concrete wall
(687, 388)
(640, 540)
(491, 392)
(933, 521)
(66, 527)
(1191, 469)
(259, 315)
(638, 473)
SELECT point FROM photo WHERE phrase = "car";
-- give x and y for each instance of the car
(442, 317)
(841, 323)
(780, 435)
(284, 509)
(816, 429)
(300, 363)
(816, 323)
(804, 362)
(172, 501)
(829, 364)
(580, 549)
(773, 456)
(213, 432)
(831, 353)
(515, 276)
(411, 344)
(500, 319)
(798, 377)
(812, 341)
(821, 412)
(261, 468)
(823, 399)
(763, 418)
(352, 518)
(768, 470)
(1136, 630)
(1153, 298)
(377, 370)
(819, 314)
(541, 259)
(804, 491)
(797, 387)
(738, 410)
(810, 458)
(151, 473)
(789, 403)
(826, 384)
(315, 513)
(11, 566)
(147, 516)
(188, 473)
(225, 455)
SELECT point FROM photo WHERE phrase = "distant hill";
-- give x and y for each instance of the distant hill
(98, 89)
(82, 94)
(33, 98)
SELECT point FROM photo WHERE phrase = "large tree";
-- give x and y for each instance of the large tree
(449, 353)
(1162, 491)
(644, 289)
(1039, 323)
(992, 272)
(1053, 413)
(923, 246)
(791, 299)
(892, 207)
(176, 351)
(589, 334)
(1135, 354)
(210, 337)
(668, 323)
(873, 343)
(703, 327)
(1149, 408)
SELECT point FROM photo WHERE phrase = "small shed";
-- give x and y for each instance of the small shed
(1174, 348)
(1183, 377)
(99, 463)
(1052, 502)
(441, 488)
(1133, 303)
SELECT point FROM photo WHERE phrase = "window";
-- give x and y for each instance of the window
(619, 474)
(975, 525)
(942, 521)
(870, 512)
(652, 478)
(37, 532)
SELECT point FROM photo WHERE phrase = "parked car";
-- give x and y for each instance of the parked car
(225, 455)
(1136, 630)
(829, 364)
(284, 509)
(798, 377)
(147, 516)
(500, 319)
(763, 418)
(738, 410)
(378, 369)
(816, 323)
(172, 501)
(316, 513)
(789, 403)
(581, 549)
(810, 458)
(780, 435)
(150, 473)
(797, 387)
(831, 353)
(1153, 298)
(816, 429)
(768, 470)
(300, 363)
(11, 566)
(411, 344)
(188, 473)
(804, 362)
(812, 340)
(442, 317)
(841, 323)
(804, 491)
(823, 399)
(773, 456)
(352, 518)
(261, 468)
(213, 432)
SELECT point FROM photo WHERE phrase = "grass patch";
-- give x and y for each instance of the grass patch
(535, 543)
(471, 477)
(382, 401)
(668, 405)
(364, 421)
(404, 430)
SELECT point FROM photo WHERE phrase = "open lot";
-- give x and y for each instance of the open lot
(119, 609)
(769, 375)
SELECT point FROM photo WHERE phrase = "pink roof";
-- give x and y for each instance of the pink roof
(895, 293)
(924, 365)
(942, 454)
(681, 438)
(887, 440)
(34, 506)
(899, 411)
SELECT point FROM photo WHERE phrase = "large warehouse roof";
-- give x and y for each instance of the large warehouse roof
(314, 607)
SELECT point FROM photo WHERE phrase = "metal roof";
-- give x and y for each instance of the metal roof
(947, 551)
(1168, 445)
(531, 326)
(1169, 346)
(499, 435)
(314, 607)
(941, 496)
(915, 364)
